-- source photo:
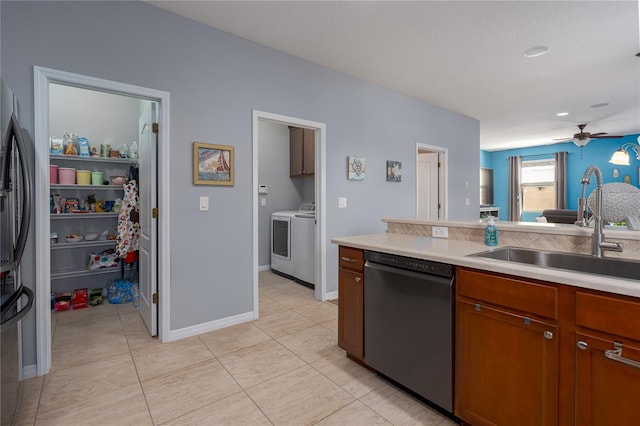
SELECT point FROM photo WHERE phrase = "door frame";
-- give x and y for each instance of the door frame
(443, 176)
(42, 77)
(320, 195)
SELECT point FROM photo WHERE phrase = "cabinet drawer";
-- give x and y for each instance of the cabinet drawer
(535, 298)
(613, 315)
(351, 258)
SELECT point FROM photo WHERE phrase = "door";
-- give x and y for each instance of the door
(607, 391)
(428, 185)
(148, 278)
(506, 368)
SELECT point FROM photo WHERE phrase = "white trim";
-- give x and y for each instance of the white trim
(444, 176)
(332, 295)
(263, 268)
(29, 372)
(320, 193)
(206, 327)
(42, 78)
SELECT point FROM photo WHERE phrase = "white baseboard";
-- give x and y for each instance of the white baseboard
(206, 327)
(263, 268)
(29, 372)
(331, 295)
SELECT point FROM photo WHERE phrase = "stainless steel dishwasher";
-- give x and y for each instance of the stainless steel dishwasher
(408, 323)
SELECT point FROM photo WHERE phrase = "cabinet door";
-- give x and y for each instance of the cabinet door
(309, 152)
(506, 368)
(351, 312)
(296, 148)
(607, 390)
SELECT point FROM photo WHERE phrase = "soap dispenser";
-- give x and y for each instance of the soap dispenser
(491, 232)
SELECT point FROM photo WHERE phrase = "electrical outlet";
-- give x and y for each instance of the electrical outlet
(263, 201)
(440, 232)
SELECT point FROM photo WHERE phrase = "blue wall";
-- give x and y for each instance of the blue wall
(596, 152)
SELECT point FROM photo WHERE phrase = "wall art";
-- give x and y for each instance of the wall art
(212, 164)
(355, 168)
(394, 171)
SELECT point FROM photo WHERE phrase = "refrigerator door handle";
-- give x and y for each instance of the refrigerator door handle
(9, 320)
(14, 131)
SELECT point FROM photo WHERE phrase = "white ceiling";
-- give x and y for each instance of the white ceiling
(465, 57)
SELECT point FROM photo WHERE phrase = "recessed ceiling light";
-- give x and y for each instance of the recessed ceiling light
(600, 105)
(562, 114)
(536, 51)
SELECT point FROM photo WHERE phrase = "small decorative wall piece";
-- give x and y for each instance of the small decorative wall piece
(212, 164)
(355, 169)
(394, 171)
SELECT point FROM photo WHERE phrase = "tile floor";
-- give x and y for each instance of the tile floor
(283, 369)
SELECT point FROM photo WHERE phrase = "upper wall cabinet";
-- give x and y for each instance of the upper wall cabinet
(301, 151)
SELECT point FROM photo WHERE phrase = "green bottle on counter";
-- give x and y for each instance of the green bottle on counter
(491, 233)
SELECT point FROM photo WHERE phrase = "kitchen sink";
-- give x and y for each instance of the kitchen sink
(607, 266)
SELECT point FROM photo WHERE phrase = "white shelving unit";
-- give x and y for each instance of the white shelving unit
(485, 212)
(69, 260)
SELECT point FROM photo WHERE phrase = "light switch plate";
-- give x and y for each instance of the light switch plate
(204, 204)
(439, 232)
(342, 202)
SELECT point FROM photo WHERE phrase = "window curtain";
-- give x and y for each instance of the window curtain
(515, 165)
(561, 180)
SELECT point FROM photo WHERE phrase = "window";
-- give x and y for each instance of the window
(538, 186)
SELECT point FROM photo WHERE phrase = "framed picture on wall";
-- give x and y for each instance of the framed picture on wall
(355, 168)
(394, 171)
(212, 164)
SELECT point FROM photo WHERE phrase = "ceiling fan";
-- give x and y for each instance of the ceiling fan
(582, 138)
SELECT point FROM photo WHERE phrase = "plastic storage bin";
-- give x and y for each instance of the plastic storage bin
(83, 177)
(67, 175)
(53, 174)
(97, 178)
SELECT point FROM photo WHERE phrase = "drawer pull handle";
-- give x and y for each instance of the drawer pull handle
(548, 335)
(358, 279)
(582, 345)
(616, 355)
(348, 259)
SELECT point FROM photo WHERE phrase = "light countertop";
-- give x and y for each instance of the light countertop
(456, 252)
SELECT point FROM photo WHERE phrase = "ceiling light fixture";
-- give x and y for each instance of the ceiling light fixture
(562, 114)
(535, 51)
(621, 156)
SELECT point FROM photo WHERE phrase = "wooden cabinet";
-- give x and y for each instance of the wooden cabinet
(607, 360)
(351, 301)
(507, 351)
(301, 151)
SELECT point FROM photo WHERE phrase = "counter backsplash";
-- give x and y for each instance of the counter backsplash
(556, 240)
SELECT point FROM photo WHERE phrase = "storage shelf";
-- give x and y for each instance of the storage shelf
(82, 215)
(96, 159)
(96, 187)
(82, 272)
(65, 245)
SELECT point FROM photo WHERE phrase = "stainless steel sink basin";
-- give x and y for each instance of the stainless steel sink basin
(611, 267)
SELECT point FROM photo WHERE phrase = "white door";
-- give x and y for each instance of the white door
(148, 224)
(428, 186)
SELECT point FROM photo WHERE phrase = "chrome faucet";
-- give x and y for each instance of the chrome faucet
(598, 243)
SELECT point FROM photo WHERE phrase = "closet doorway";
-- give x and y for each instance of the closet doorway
(111, 115)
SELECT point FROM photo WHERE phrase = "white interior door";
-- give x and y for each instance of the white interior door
(148, 278)
(428, 186)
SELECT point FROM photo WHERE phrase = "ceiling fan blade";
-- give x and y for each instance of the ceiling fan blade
(598, 134)
(563, 139)
(606, 136)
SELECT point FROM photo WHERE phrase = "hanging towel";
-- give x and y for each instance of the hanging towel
(128, 221)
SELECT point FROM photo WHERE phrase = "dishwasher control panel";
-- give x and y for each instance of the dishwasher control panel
(418, 265)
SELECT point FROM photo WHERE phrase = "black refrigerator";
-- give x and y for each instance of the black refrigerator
(15, 214)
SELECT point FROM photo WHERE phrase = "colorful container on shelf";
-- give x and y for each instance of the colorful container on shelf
(97, 178)
(83, 177)
(67, 175)
(53, 174)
